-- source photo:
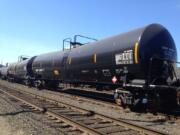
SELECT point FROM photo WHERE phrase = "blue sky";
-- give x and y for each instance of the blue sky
(31, 27)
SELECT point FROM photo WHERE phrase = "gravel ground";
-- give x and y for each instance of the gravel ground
(16, 121)
(146, 119)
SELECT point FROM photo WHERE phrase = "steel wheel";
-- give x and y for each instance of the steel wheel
(119, 102)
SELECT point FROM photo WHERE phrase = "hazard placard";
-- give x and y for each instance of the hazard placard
(114, 79)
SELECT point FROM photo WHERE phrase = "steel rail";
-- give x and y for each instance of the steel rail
(140, 129)
(58, 116)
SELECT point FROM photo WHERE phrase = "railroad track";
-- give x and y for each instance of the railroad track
(76, 119)
(174, 115)
(87, 88)
(82, 97)
(90, 98)
(103, 96)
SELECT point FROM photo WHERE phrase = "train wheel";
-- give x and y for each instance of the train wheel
(119, 102)
(38, 84)
(154, 104)
(169, 100)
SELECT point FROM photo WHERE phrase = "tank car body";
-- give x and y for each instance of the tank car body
(48, 69)
(3, 73)
(0, 70)
(11, 72)
(20, 71)
(138, 64)
(123, 56)
(131, 56)
(23, 69)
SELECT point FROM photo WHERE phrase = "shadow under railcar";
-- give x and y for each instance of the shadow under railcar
(89, 94)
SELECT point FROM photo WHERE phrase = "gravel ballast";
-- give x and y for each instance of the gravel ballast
(145, 119)
(16, 121)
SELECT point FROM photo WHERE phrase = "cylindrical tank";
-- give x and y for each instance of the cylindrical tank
(48, 66)
(3, 72)
(21, 69)
(128, 53)
(11, 71)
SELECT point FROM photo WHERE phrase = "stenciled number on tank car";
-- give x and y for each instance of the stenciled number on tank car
(39, 70)
(168, 52)
(106, 72)
(125, 57)
(119, 71)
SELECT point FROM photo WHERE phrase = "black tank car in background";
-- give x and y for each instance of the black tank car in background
(3, 72)
(48, 69)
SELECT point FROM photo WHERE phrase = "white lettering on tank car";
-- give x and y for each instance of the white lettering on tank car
(168, 52)
(106, 72)
(39, 70)
(125, 57)
(118, 71)
(84, 71)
